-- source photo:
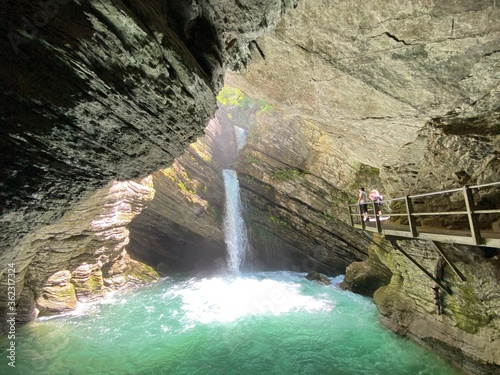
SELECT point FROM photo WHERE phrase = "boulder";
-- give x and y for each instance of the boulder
(318, 277)
(57, 295)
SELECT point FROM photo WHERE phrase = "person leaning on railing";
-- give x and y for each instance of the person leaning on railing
(376, 197)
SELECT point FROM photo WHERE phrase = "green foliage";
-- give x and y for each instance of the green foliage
(365, 175)
(187, 186)
(276, 220)
(201, 150)
(249, 179)
(463, 306)
(241, 110)
(230, 96)
(250, 159)
(325, 215)
(265, 108)
(285, 174)
(183, 187)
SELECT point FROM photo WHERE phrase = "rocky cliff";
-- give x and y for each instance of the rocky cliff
(390, 85)
(97, 91)
(404, 98)
(457, 318)
(83, 255)
(181, 230)
(461, 320)
(291, 204)
(399, 96)
(294, 186)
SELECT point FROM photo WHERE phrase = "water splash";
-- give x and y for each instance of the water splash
(234, 227)
(228, 299)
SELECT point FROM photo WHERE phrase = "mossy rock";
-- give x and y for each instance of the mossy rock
(57, 299)
(366, 277)
(57, 295)
(125, 271)
(87, 279)
(140, 272)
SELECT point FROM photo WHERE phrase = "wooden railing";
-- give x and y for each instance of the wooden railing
(467, 196)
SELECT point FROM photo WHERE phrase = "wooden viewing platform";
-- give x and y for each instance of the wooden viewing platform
(471, 235)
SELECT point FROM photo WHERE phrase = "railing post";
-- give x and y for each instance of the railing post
(377, 218)
(473, 222)
(363, 226)
(411, 218)
(350, 216)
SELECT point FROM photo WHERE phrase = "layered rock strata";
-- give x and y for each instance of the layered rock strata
(294, 184)
(407, 95)
(181, 230)
(96, 91)
(84, 254)
(461, 321)
(392, 85)
(291, 222)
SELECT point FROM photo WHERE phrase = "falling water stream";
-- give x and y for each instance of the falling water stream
(240, 324)
(234, 226)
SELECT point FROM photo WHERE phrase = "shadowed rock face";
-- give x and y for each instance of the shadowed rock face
(97, 91)
(103, 90)
(181, 229)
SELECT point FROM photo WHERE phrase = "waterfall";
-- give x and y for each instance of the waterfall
(234, 226)
(241, 137)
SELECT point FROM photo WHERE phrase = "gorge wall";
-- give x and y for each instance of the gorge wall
(291, 224)
(404, 98)
(461, 324)
(96, 91)
(401, 97)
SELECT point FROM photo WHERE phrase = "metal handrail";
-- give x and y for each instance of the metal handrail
(435, 193)
(484, 185)
(411, 215)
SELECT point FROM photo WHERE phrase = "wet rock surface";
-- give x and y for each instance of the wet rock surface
(465, 328)
(318, 278)
(79, 257)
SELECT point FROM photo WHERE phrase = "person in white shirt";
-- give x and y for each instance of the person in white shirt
(362, 202)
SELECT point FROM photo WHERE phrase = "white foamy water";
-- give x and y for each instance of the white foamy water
(225, 300)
